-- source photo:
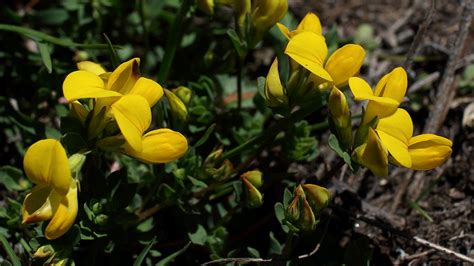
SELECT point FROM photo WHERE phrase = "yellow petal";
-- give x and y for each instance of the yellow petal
(344, 63)
(64, 216)
(310, 22)
(430, 157)
(397, 148)
(393, 85)
(149, 89)
(40, 204)
(283, 29)
(360, 89)
(274, 93)
(46, 163)
(133, 116)
(206, 6)
(309, 50)
(398, 125)
(124, 76)
(160, 146)
(428, 151)
(92, 67)
(83, 84)
(380, 107)
(428, 140)
(373, 154)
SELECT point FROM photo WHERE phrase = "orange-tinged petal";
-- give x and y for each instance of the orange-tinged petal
(398, 125)
(46, 163)
(40, 204)
(344, 63)
(124, 76)
(360, 89)
(133, 116)
(64, 216)
(160, 146)
(309, 50)
(83, 84)
(149, 89)
(397, 148)
(393, 85)
(92, 67)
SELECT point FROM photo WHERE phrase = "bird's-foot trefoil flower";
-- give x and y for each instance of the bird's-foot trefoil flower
(54, 196)
(386, 97)
(309, 50)
(122, 96)
(274, 91)
(421, 152)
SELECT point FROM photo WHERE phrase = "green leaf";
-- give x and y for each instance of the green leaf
(334, 144)
(239, 45)
(171, 257)
(52, 16)
(144, 252)
(199, 237)
(275, 246)
(253, 252)
(261, 86)
(206, 135)
(8, 249)
(114, 59)
(10, 177)
(280, 215)
(38, 35)
(45, 56)
(287, 197)
(196, 182)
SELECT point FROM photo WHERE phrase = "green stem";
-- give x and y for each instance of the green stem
(48, 38)
(146, 39)
(239, 85)
(270, 133)
(173, 41)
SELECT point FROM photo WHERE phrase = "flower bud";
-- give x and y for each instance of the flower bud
(254, 197)
(266, 13)
(340, 117)
(274, 91)
(254, 177)
(76, 161)
(307, 221)
(43, 252)
(179, 112)
(78, 111)
(294, 209)
(318, 197)
(184, 93)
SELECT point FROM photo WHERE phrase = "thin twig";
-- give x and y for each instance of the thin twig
(443, 249)
(423, 82)
(420, 35)
(446, 90)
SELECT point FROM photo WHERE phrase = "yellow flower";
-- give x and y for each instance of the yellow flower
(422, 152)
(266, 13)
(387, 96)
(309, 23)
(309, 49)
(125, 95)
(274, 91)
(55, 195)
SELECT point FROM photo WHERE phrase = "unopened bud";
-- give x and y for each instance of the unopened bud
(43, 252)
(184, 93)
(274, 92)
(254, 177)
(307, 221)
(179, 112)
(76, 161)
(254, 197)
(318, 197)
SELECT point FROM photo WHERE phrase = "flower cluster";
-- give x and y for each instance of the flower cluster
(385, 133)
(115, 108)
